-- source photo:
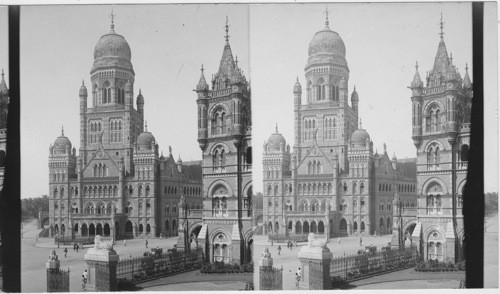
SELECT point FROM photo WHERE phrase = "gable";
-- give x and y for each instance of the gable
(315, 160)
(101, 165)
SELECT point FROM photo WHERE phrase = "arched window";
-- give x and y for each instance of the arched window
(464, 152)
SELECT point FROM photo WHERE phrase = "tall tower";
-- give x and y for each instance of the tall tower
(224, 135)
(326, 120)
(111, 120)
(441, 134)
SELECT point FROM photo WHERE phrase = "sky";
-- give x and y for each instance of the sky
(4, 42)
(383, 42)
(169, 43)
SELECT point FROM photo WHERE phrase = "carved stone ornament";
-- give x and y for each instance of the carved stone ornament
(312, 242)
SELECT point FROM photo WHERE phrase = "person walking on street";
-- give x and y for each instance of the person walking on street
(77, 247)
(299, 273)
(279, 249)
(85, 277)
(146, 243)
(297, 280)
(65, 251)
(125, 242)
(360, 241)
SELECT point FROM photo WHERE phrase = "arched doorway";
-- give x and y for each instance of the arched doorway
(174, 228)
(249, 251)
(343, 226)
(91, 230)
(148, 229)
(321, 227)
(362, 227)
(129, 228)
(435, 248)
(107, 231)
(290, 226)
(99, 229)
(388, 223)
(305, 228)
(270, 227)
(313, 227)
(276, 228)
(355, 227)
(117, 229)
(298, 228)
(141, 229)
(75, 229)
(84, 230)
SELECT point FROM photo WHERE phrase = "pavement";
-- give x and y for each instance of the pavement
(34, 254)
(289, 260)
(491, 252)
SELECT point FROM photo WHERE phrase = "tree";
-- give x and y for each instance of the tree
(31, 206)
(258, 201)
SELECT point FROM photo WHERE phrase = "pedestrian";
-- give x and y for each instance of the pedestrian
(360, 241)
(339, 240)
(299, 273)
(297, 280)
(161, 236)
(288, 244)
(279, 249)
(125, 242)
(77, 247)
(146, 243)
(65, 251)
(85, 277)
(74, 246)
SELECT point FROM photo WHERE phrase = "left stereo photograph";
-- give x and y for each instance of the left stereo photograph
(136, 148)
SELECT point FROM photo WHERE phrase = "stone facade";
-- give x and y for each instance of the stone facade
(118, 185)
(224, 135)
(441, 134)
(332, 182)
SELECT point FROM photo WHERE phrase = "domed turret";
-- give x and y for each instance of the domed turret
(275, 141)
(297, 88)
(467, 82)
(327, 45)
(354, 95)
(61, 144)
(111, 50)
(145, 140)
(83, 90)
(359, 138)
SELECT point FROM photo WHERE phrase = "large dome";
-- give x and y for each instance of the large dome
(327, 46)
(359, 138)
(144, 140)
(111, 50)
(275, 141)
(61, 143)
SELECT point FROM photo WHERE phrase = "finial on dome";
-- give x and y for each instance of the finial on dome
(360, 123)
(385, 148)
(146, 126)
(297, 79)
(62, 130)
(227, 29)
(83, 83)
(441, 26)
(112, 16)
(416, 65)
(466, 67)
(140, 91)
(170, 150)
(327, 22)
(236, 60)
(2, 73)
(276, 127)
(202, 69)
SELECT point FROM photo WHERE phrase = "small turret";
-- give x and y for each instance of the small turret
(297, 92)
(3, 86)
(140, 103)
(394, 161)
(417, 82)
(354, 100)
(202, 84)
(179, 164)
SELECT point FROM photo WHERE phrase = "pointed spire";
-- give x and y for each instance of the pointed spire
(62, 131)
(467, 81)
(202, 83)
(276, 127)
(417, 82)
(227, 29)
(441, 26)
(170, 151)
(327, 22)
(146, 126)
(451, 57)
(112, 16)
(83, 83)
(3, 85)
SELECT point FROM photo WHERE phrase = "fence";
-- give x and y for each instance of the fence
(271, 278)
(57, 280)
(68, 240)
(356, 266)
(142, 268)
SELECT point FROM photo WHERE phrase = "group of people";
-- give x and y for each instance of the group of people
(77, 246)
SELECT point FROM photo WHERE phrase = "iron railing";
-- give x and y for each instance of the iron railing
(141, 268)
(271, 278)
(352, 267)
(57, 280)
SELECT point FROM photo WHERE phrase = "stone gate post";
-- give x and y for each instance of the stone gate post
(52, 265)
(101, 266)
(315, 259)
